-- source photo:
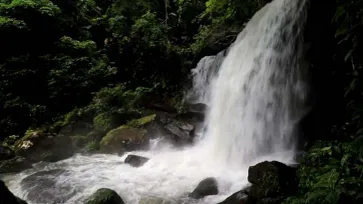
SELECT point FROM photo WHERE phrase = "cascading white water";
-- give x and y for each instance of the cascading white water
(256, 100)
(203, 77)
(259, 94)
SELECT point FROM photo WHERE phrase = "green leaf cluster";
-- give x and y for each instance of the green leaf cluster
(331, 173)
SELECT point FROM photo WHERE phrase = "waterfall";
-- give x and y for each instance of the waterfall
(259, 94)
(256, 93)
(203, 77)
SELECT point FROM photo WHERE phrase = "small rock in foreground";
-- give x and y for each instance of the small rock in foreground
(271, 182)
(7, 196)
(105, 196)
(208, 186)
(136, 161)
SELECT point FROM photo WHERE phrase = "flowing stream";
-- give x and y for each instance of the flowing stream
(256, 96)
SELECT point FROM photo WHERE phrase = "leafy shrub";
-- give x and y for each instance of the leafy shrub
(331, 173)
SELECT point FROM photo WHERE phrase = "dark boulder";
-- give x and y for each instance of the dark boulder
(240, 197)
(105, 196)
(136, 161)
(6, 153)
(179, 129)
(208, 186)
(14, 165)
(46, 187)
(39, 146)
(160, 106)
(272, 182)
(197, 107)
(7, 197)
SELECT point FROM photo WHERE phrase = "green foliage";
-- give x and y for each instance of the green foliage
(92, 146)
(348, 33)
(331, 173)
(150, 31)
(103, 122)
(6, 23)
(58, 53)
(10, 141)
(142, 121)
(15, 7)
(109, 108)
(226, 18)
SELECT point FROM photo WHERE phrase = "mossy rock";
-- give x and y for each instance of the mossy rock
(85, 143)
(103, 122)
(142, 122)
(92, 146)
(127, 137)
(79, 141)
(105, 196)
(271, 181)
(124, 138)
(37, 146)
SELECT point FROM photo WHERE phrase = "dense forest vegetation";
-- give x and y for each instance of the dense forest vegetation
(59, 53)
(89, 65)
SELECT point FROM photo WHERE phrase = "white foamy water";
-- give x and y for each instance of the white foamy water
(256, 99)
(204, 76)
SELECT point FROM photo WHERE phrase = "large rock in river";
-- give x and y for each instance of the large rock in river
(7, 197)
(129, 137)
(105, 196)
(136, 161)
(6, 153)
(271, 182)
(179, 128)
(208, 186)
(39, 146)
(14, 165)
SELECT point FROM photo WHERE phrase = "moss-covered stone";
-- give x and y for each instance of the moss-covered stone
(105, 196)
(79, 141)
(272, 182)
(127, 137)
(142, 121)
(38, 145)
(92, 146)
(123, 138)
(103, 122)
